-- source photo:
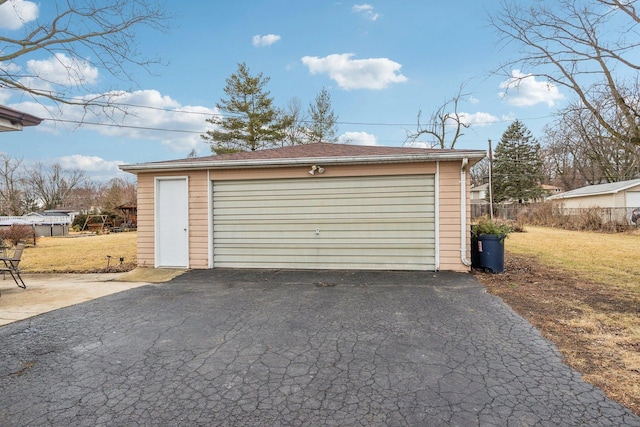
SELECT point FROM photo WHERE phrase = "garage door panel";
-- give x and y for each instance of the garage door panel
(341, 201)
(301, 245)
(337, 263)
(250, 227)
(322, 184)
(373, 223)
(331, 213)
(331, 260)
(330, 235)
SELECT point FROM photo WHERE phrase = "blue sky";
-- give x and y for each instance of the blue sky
(382, 63)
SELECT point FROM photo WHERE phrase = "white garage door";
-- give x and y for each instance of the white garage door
(325, 223)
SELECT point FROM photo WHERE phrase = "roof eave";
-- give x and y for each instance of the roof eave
(301, 161)
(16, 120)
(595, 193)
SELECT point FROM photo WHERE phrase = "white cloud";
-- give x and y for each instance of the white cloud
(15, 13)
(96, 168)
(89, 164)
(372, 73)
(267, 40)
(358, 138)
(478, 119)
(366, 10)
(162, 112)
(473, 99)
(417, 144)
(59, 69)
(522, 90)
(145, 115)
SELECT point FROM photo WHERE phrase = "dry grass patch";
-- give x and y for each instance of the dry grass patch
(81, 253)
(610, 259)
(581, 290)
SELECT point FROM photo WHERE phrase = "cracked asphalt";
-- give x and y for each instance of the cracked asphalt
(280, 348)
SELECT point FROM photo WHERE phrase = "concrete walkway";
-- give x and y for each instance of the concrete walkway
(237, 348)
(48, 292)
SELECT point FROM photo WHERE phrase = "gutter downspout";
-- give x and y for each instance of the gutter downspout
(463, 212)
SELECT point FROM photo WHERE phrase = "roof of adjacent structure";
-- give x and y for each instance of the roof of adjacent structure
(481, 187)
(598, 189)
(321, 152)
(11, 119)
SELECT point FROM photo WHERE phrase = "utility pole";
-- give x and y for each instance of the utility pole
(490, 181)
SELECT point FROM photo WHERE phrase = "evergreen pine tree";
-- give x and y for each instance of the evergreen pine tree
(323, 120)
(249, 121)
(517, 167)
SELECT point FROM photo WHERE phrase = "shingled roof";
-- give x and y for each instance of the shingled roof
(598, 189)
(317, 152)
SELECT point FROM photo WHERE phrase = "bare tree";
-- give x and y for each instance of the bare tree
(297, 131)
(116, 192)
(95, 33)
(480, 172)
(561, 159)
(85, 197)
(579, 150)
(52, 185)
(10, 186)
(586, 46)
(444, 126)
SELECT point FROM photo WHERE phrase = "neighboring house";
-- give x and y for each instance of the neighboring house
(551, 190)
(70, 213)
(622, 196)
(14, 120)
(314, 206)
(478, 194)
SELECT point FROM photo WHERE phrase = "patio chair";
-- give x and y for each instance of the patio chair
(10, 265)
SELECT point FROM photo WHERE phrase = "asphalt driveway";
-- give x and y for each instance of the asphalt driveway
(236, 348)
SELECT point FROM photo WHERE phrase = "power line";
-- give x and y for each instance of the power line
(126, 126)
(159, 129)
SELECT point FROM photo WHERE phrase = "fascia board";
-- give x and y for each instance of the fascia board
(303, 161)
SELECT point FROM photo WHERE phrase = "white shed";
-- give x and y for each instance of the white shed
(623, 194)
(619, 199)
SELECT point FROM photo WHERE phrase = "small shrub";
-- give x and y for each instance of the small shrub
(485, 225)
(15, 233)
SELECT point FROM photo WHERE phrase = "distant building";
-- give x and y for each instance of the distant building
(44, 224)
(478, 194)
(623, 197)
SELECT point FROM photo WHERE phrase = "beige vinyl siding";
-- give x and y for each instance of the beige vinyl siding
(198, 218)
(384, 222)
(418, 168)
(146, 220)
(199, 201)
(449, 218)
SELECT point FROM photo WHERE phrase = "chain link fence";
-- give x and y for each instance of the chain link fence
(554, 215)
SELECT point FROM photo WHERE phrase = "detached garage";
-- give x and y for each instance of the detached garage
(315, 206)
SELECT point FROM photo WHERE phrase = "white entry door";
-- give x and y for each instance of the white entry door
(172, 223)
